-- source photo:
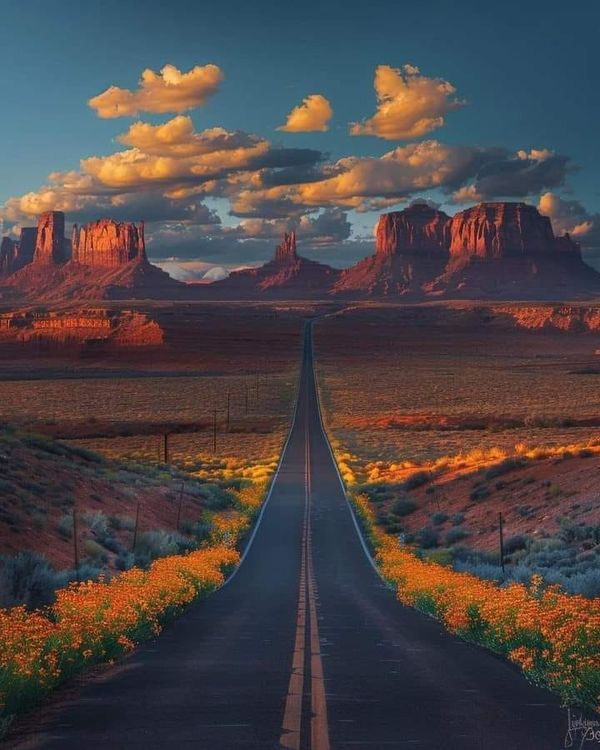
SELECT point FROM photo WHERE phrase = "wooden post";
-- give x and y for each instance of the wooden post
(228, 411)
(76, 545)
(214, 431)
(501, 529)
(166, 447)
(180, 506)
(135, 528)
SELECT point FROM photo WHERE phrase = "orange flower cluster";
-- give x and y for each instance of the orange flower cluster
(92, 622)
(552, 636)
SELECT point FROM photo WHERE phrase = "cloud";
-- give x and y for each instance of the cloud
(167, 91)
(312, 115)
(570, 216)
(410, 105)
(177, 138)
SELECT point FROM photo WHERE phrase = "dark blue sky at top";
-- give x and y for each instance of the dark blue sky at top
(530, 72)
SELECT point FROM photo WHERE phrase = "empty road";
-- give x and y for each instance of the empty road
(305, 649)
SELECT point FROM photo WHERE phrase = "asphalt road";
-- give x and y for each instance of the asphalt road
(305, 647)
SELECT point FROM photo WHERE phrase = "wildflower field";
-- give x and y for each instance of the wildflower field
(96, 621)
(552, 636)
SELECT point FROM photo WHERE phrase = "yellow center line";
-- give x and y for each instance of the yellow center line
(292, 717)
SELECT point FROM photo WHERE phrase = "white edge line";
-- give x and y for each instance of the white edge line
(361, 537)
(275, 475)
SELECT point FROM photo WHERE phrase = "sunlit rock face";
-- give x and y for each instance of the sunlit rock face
(419, 229)
(108, 244)
(504, 230)
(50, 239)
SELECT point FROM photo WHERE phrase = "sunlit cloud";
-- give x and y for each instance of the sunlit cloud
(171, 90)
(313, 114)
(570, 216)
(409, 105)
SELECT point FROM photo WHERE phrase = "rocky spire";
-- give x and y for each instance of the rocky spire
(285, 252)
(50, 240)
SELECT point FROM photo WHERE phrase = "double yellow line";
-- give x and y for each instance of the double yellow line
(306, 624)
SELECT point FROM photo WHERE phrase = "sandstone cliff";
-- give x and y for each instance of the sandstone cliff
(419, 229)
(505, 230)
(50, 239)
(108, 244)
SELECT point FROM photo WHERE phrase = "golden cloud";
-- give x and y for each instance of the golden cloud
(167, 91)
(410, 105)
(312, 115)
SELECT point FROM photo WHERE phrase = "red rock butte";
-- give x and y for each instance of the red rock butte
(50, 239)
(108, 244)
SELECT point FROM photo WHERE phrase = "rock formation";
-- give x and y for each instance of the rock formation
(8, 256)
(505, 230)
(108, 244)
(419, 229)
(285, 252)
(26, 246)
(509, 250)
(288, 275)
(50, 239)
(411, 248)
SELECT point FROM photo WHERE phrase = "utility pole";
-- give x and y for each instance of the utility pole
(135, 528)
(228, 410)
(166, 447)
(76, 545)
(180, 507)
(501, 529)
(214, 430)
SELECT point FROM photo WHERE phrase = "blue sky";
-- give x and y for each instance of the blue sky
(529, 73)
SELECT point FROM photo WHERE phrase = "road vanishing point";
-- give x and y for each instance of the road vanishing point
(304, 648)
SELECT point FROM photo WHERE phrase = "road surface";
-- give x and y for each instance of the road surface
(305, 648)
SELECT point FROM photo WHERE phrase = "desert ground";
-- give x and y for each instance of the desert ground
(444, 420)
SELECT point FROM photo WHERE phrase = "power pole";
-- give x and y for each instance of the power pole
(228, 410)
(214, 430)
(166, 447)
(76, 545)
(501, 529)
(180, 507)
(135, 528)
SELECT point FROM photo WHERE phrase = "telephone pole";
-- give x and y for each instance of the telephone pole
(228, 410)
(166, 447)
(180, 507)
(214, 431)
(76, 544)
(501, 530)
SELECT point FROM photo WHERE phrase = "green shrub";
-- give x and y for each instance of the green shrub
(404, 507)
(439, 518)
(457, 534)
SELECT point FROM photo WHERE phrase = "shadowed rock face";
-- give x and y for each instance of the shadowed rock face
(505, 230)
(26, 246)
(108, 244)
(8, 255)
(50, 240)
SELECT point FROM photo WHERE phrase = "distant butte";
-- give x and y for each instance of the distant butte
(495, 250)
